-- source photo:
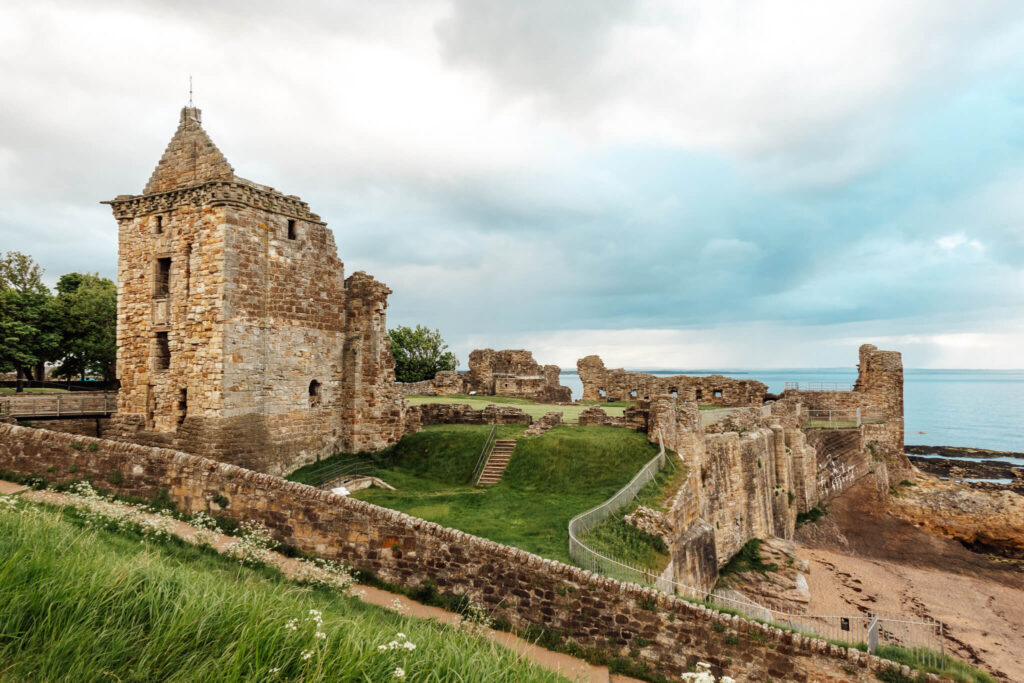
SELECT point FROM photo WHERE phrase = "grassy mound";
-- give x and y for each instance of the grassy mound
(83, 604)
(550, 479)
(616, 538)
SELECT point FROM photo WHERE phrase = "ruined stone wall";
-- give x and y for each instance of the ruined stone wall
(514, 372)
(633, 418)
(526, 590)
(445, 383)
(464, 414)
(85, 426)
(602, 384)
(878, 392)
(238, 336)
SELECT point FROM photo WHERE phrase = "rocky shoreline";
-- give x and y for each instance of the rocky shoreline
(970, 463)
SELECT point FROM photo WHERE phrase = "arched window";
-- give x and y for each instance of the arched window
(314, 394)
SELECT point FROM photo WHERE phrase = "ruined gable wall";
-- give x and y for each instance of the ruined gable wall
(372, 408)
(602, 384)
(514, 372)
(524, 589)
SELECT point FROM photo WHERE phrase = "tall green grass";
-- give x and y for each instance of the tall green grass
(80, 604)
(616, 538)
(550, 479)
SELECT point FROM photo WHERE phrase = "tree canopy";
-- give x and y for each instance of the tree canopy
(77, 327)
(419, 353)
(86, 313)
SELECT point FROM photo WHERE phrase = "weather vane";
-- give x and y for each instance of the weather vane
(190, 91)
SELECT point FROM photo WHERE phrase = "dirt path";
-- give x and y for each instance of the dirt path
(570, 667)
(863, 559)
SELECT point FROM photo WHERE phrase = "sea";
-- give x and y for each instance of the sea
(968, 408)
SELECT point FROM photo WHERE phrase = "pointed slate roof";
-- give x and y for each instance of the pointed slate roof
(191, 158)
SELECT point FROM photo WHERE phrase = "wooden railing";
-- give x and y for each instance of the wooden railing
(78, 404)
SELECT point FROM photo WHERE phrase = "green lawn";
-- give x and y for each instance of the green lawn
(570, 413)
(616, 538)
(81, 604)
(550, 479)
(33, 390)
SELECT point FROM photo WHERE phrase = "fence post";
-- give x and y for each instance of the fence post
(58, 405)
(873, 635)
(858, 416)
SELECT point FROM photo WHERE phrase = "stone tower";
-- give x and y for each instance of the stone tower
(239, 337)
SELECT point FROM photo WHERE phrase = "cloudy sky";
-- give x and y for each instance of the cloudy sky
(684, 184)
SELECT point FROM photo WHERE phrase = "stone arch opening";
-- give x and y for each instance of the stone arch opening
(315, 398)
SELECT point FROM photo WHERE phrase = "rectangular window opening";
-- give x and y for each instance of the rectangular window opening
(162, 353)
(159, 225)
(291, 229)
(162, 290)
(718, 393)
(182, 406)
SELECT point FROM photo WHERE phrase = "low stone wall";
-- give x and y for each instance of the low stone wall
(633, 418)
(84, 426)
(445, 383)
(465, 414)
(668, 634)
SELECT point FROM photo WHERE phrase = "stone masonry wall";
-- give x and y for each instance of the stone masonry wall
(514, 372)
(671, 635)
(879, 386)
(464, 414)
(601, 384)
(238, 336)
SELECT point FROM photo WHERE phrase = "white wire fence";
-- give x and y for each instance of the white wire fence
(847, 418)
(819, 386)
(920, 638)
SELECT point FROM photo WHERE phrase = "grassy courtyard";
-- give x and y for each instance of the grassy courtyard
(550, 479)
(570, 413)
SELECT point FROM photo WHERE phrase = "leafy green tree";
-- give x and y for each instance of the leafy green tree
(419, 353)
(28, 331)
(86, 310)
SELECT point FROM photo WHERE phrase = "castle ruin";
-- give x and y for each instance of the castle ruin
(239, 337)
(602, 384)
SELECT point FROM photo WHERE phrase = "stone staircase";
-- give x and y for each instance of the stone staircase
(497, 461)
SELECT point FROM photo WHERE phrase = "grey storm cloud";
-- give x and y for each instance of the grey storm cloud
(538, 168)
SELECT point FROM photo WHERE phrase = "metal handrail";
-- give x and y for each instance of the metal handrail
(484, 453)
(356, 466)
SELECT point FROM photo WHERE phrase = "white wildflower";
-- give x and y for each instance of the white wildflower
(400, 636)
(410, 646)
(399, 672)
(382, 648)
(8, 503)
(320, 635)
(306, 654)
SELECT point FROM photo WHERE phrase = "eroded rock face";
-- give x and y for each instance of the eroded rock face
(650, 522)
(983, 519)
(783, 588)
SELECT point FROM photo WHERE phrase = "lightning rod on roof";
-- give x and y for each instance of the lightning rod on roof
(190, 90)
